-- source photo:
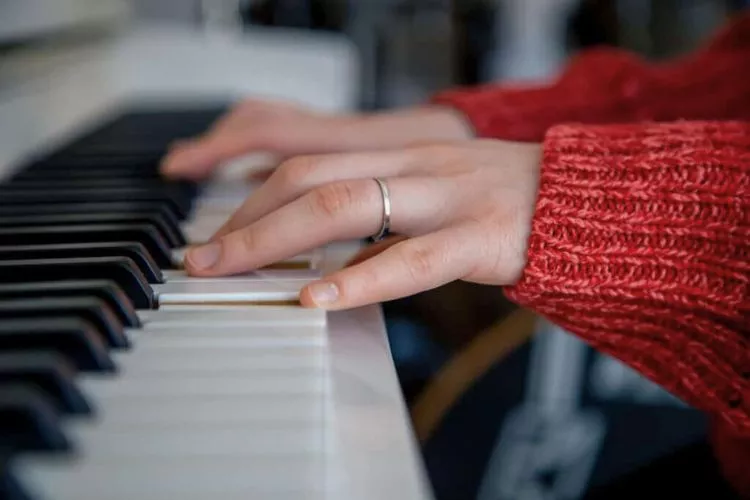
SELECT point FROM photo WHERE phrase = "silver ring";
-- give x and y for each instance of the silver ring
(386, 226)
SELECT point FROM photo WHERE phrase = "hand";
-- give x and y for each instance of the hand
(463, 211)
(286, 130)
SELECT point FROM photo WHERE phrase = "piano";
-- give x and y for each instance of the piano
(120, 376)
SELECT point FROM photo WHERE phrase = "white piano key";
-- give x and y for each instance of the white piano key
(313, 257)
(211, 410)
(199, 478)
(172, 315)
(200, 231)
(217, 360)
(275, 275)
(233, 183)
(230, 335)
(198, 440)
(236, 291)
(176, 384)
(222, 205)
(206, 330)
(162, 344)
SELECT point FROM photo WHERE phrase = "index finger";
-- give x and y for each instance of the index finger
(333, 212)
(197, 159)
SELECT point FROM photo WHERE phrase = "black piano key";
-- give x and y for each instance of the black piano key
(120, 270)
(16, 196)
(187, 190)
(146, 131)
(143, 146)
(49, 372)
(30, 421)
(84, 174)
(84, 207)
(174, 194)
(90, 309)
(133, 164)
(83, 179)
(125, 207)
(145, 234)
(72, 338)
(154, 219)
(149, 124)
(10, 487)
(106, 291)
(130, 249)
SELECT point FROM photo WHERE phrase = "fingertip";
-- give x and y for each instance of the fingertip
(321, 294)
(172, 165)
(201, 259)
(306, 300)
(187, 161)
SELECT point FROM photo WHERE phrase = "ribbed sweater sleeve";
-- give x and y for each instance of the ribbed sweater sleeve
(640, 245)
(640, 241)
(607, 85)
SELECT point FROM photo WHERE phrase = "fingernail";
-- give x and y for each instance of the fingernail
(204, 256)
(324, 293)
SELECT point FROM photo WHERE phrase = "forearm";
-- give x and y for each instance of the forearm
(640, 244)
(602, 86)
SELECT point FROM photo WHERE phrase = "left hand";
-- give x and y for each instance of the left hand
(463, 210)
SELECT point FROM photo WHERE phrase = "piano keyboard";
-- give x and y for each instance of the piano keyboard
(123, 378)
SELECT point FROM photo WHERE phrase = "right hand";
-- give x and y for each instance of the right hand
(285, 130)
(465, 209)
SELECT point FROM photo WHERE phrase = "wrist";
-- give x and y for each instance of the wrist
(529, 158)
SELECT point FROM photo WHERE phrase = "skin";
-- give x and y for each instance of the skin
(461, 207)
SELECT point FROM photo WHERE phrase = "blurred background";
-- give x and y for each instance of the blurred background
(505, 406)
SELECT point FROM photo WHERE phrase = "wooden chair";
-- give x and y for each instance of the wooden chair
(466, 367)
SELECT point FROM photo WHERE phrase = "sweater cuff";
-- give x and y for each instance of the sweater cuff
(639, 246)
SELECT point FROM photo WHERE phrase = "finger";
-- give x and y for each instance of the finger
(338, 211)
(374, 249)
(197, 159)
(404, 269)
(260, 175)
(238, 115)
(302, 174)
(179, 147)
(245, 111)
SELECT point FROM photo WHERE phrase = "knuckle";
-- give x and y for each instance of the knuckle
(292, 171)
(332, 199)
(420, 261)
(436, 150)
(247, 241)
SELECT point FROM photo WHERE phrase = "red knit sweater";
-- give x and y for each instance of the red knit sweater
(640, 241)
